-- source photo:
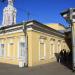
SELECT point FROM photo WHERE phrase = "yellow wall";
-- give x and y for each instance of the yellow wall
(33, 48)
(12, 56)
(56, 26)
(29, 35)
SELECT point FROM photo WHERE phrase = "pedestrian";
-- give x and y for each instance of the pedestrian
(61, 56)
(64, 56)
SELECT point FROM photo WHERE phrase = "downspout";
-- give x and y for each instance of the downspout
(26, 45)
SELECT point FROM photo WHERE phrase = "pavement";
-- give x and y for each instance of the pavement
(53, 68)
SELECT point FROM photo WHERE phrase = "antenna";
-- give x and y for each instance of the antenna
(28, 15)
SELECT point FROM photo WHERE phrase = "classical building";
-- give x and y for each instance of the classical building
(31, 43)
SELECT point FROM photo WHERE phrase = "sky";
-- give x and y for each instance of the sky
(44, 11)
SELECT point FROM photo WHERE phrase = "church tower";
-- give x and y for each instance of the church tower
(9, 14)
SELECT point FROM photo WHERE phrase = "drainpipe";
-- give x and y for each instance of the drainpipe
(26, 46)
(24, 61)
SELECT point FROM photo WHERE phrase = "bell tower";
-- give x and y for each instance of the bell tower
(9, 14)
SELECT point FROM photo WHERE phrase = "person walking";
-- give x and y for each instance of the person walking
(61, 56)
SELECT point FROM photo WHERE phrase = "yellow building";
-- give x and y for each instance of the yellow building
(30, 43)
(57, 26)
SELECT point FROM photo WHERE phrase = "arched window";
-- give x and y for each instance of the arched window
(52, 48)
(2, 48)
(64, 45)
(58, 46)
(42, 48)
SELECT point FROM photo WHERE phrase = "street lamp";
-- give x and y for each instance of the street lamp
(69, 16)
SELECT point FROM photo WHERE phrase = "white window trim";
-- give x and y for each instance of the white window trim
(8, 47)
(4, 50)
(52, 51)
(44, 52)
(3, 55)
(8, 50)
(58, 51)
(20, 57)
(18, 49)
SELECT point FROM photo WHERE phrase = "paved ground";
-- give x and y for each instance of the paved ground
(48, 69)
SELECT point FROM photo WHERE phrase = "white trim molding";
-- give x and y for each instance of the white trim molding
(42, 58)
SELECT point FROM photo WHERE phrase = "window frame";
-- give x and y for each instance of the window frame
(42, 58)
(2, 50)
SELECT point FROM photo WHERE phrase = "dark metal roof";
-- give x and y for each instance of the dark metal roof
(35, 24)
(45, 26)
(9, 26)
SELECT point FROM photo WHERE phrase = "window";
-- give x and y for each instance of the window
(11, 47)
(42, 49)
(52, 48)
(59, 46)
(64, 45)
(22, 49)
(1, 49)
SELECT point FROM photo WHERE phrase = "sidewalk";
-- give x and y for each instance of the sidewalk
(47, 69)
